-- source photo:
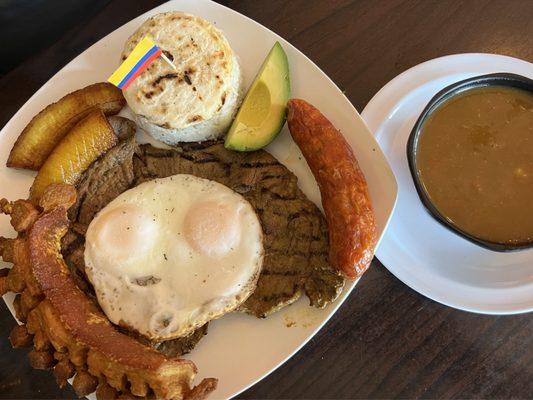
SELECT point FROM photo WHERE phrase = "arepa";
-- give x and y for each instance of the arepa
(196, 101)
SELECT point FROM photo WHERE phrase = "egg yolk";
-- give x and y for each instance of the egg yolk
(212, 228)
(125, 232)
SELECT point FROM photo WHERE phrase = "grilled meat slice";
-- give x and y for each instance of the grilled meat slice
(295, 231)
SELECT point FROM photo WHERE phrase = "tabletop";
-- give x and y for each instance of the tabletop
(386, 341)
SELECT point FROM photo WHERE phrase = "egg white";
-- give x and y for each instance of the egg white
(172, 254)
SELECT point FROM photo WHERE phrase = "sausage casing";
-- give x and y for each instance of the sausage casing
(343, 187)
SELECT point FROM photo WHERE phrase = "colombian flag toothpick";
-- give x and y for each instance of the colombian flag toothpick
(140, 58)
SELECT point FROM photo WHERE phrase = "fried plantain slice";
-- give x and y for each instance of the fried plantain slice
(47, 128)
(83, 145)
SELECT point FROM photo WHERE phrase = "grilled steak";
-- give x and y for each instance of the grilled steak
(295, 231)
(101, 183)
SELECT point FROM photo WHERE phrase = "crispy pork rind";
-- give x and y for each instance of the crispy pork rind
(69, 332)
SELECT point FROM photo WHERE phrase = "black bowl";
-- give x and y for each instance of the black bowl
(498, 79)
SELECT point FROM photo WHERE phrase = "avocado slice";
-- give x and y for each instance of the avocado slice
(263, 111)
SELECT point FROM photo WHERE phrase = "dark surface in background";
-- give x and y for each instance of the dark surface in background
(386, 341)
(28, 26)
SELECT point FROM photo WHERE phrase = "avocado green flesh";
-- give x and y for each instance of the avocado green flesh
(264, 108)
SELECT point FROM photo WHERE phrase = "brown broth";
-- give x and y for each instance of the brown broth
(475, 159)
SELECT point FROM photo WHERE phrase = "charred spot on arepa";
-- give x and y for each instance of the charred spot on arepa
(222, 101)
(163, 77)
(196, 118)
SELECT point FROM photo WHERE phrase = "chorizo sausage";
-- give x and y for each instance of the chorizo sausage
(343, 187)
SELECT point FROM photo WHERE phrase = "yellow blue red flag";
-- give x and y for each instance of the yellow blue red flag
(139, 59)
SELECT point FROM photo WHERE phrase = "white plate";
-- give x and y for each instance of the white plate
(239, 349)
(418, 250)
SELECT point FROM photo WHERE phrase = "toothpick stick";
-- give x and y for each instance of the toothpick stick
(168, 60)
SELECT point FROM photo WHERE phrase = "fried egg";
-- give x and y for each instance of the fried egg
(171, 254)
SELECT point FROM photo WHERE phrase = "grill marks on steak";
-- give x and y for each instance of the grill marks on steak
(295, 231)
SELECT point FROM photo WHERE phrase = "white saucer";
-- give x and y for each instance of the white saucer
(416, 249)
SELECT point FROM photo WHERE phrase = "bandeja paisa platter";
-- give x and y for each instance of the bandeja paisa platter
(151, 266)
